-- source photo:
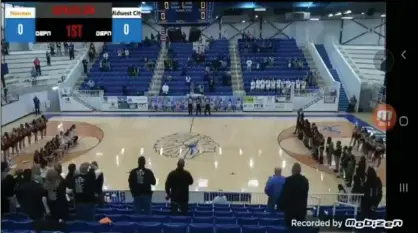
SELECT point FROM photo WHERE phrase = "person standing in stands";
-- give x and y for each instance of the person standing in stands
(198, 106)
(71, 51)
(37, 64)
(372, 194)
(48, 58)
(99, 182)
(190, 105)
(177, 188)
(55, 203)
(140, 181)
(37, 103)
(273, 188)
(207, 106)
(30, 195)
(8, 183)
(293, 199)
(84, 193)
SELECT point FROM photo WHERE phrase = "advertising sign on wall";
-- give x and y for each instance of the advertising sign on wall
(125, 103)
(180, 103)
(267, 104)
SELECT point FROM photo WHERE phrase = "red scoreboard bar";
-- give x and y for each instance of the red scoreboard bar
(73, 22)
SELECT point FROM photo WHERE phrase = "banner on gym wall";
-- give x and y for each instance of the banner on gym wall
(125, 103)
(267, 104)
(180, 103)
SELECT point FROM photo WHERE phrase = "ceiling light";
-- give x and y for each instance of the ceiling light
(383, 16)
(330, 15)
(338, 13)
(346, 17)
(314, 19)
(347, 12)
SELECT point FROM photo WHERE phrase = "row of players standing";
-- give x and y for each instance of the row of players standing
(16, 140)
(345, 161)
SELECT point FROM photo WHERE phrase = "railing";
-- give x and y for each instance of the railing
(314, 200)
(349, 78)
(8, 97)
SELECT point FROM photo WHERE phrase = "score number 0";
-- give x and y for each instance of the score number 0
(20, 29)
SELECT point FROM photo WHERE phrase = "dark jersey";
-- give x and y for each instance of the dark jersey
(84, 187)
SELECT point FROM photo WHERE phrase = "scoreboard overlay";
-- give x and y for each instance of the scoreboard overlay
(182, 12)
(73, 22)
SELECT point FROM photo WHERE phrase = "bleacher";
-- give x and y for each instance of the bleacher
(196, 71)
(20, 64)
(117, 77)
(364, 61)
(282, 50)
(201, 218)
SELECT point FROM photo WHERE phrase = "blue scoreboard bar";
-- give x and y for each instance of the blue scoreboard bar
(127, 25)
(20, 25)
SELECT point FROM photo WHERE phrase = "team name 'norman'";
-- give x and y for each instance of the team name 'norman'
(125, 13)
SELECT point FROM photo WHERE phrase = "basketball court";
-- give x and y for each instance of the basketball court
(223, 153)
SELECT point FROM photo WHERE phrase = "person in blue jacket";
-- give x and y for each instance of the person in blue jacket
(273, 188)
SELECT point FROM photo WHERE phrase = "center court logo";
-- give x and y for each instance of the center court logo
(185, 145)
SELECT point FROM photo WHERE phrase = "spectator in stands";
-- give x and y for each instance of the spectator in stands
(352, 104)
(273, 188)
(59, 52)
(8, 184)
(126, 53)
(140, 181)
(165, 89)
(177, 188)
(249, 64)
(169, 78)
(119, 53)
(252, 85)
(201, 88)
(55, 202)
(33, 72)
(4, 47)
(293, 199)
(93, 48)
(372, 194)
(99, 182)
(69, 178)
(136, 70)
(290, 63)
(71, 51)
(36, 104)
(150, 65)
(105, 56)
(188, 81)
(91, 55)
(85, 63)
(48, 58)
(211, 85)
(220, 200)
(91, 84)
(124, 91)
(65, 48)
(84, 193)
(52, 48)
(37, 64)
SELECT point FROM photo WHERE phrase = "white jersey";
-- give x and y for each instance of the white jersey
(297, 84)
(258, 84)
(267, 84)
(278, 83)
(273, 84)
(252, 85)
(303, 84)
(263, 84)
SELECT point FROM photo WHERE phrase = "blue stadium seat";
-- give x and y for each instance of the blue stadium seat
(202, 213)
(124, 227)
(16, 225)
(180, 219)
(243, 214)
(77, 226)
(253, 229)
(276, 229)
(270, 221)
(208, 220)
(19, 217)
(150, 227)
(175, 227)
(225, 220)
(247, 221)
(227, 228)
(201, 228)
